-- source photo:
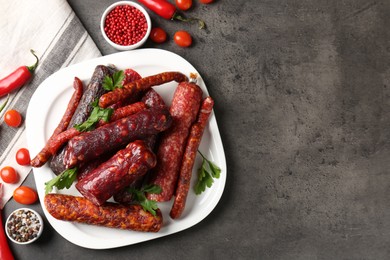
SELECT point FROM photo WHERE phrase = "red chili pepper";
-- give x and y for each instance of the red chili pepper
(5, 251)
(17, 78)
(168, 11)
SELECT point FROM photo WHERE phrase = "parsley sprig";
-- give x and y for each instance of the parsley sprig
(206, 174)
(96, 115)
(64, 180)
(4, 104)
(111, 83)
(139, 197)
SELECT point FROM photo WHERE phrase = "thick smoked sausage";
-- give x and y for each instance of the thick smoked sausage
(113, 215)
(90, 145)
(118, 172)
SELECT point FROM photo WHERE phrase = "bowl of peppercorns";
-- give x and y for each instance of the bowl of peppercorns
(125, 25)
(24, 226)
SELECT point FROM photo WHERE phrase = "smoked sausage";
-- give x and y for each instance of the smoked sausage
(113, 215)
(90, 145)
(118, 172)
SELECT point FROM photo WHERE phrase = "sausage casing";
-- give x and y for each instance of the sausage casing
(113, 215)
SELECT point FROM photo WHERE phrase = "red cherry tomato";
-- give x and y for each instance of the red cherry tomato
(23, 156)
(12, 118)
(183, 4)
(158, 35)
(9, 175)
(182, 38)
(25, 195)
(206, 1)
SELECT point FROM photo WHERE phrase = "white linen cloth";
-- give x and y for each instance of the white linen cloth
(57, 36)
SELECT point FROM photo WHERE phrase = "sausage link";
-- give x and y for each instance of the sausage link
(193, 142)
(113, 215)
(44, 155)
(140, 85)
(184, 109)
(117, 173)
(90, 145)
(125, 111)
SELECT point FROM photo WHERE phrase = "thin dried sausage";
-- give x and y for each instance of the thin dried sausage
(44, 155)
(140, 85)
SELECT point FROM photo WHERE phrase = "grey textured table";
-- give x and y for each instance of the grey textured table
(302, 94)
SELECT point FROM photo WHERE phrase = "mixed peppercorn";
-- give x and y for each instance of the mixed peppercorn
(23, 225)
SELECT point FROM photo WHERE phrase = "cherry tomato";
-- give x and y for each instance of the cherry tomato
(25, 195)
(23, 156)
(206, 1)
(12, 118)
(9, 175)
(158, 35)
(183, 4)
(182, 38)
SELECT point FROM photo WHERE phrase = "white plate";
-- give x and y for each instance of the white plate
(47, 107)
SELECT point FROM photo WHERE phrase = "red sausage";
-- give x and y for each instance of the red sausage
(140, 85)
(44, 155)
(118, 172)
(90, 145)
(113, 215)
(193, 142)
(125, 111)
(184, 110)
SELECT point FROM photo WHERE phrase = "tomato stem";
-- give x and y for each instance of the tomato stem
(35, 65)
(179, 17)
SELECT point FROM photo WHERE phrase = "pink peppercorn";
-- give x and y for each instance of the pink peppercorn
(125, 25)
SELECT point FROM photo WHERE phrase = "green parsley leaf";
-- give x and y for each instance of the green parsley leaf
(151, 188)
(4, 104)
(206, 175)
(111, 83)
(96, 115)
(64, 180)
(139, 197)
